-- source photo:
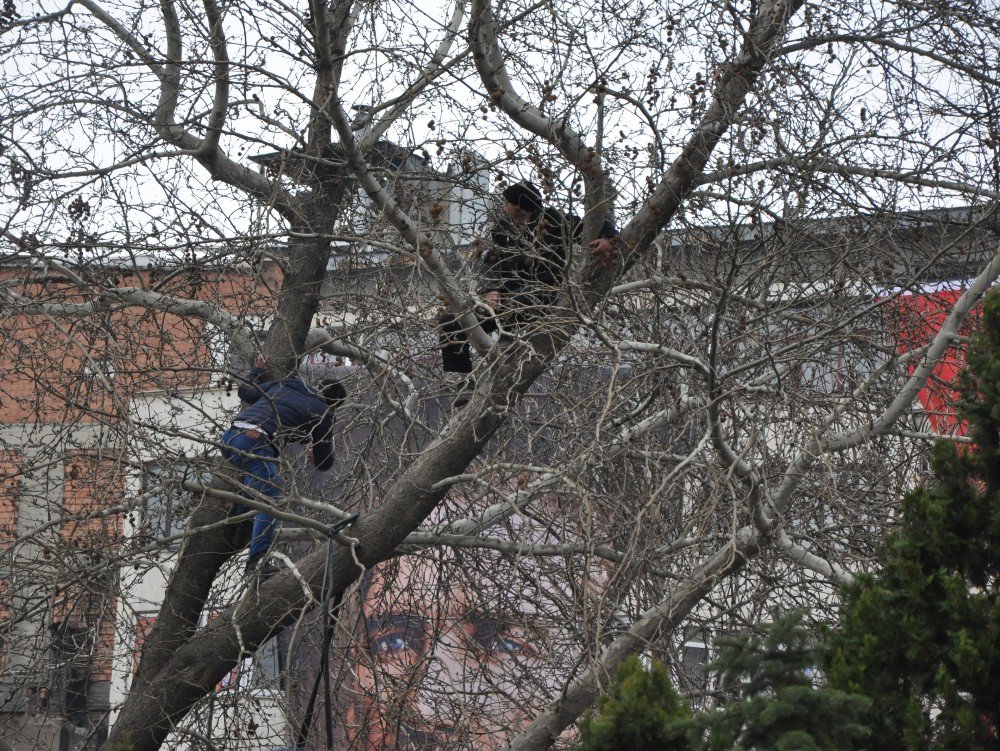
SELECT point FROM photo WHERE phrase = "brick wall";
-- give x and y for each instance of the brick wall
(91, 531)
(51, 368)
(10, 481)
(60, 372)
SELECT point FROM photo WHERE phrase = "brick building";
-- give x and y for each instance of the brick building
(69, 377)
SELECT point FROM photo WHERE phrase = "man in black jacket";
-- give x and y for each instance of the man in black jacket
(279, 410)
(523, 267)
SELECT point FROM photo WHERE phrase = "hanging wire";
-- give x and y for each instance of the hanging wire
(329, 620)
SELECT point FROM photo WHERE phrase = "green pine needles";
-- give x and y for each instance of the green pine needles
(641, 711)
(779, 707)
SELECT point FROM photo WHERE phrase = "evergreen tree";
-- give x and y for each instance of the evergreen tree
(921, 637)
(640, 712)
(915, 662)
(779, 708)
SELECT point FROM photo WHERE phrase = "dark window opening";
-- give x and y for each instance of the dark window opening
(70, 685)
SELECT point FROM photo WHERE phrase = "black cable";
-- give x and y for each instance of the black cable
(328, 624)
(324, 660)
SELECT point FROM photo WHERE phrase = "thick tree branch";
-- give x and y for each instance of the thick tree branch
(901, 404)
(220, 104)
(501, 92)
(202, 660)
(666, 615)
(802, 557)
(731, 90)
(238, 333)
(206, 151)
(435, 66)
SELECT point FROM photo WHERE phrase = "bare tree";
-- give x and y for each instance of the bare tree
(715, 418)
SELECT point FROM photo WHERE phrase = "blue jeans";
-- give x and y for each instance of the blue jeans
(255, 457)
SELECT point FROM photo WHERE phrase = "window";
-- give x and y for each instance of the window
(268, 666)
(258, 672)
(70, 683)
(695, 655)
(100, 365)
(166, 505)
(143, 627)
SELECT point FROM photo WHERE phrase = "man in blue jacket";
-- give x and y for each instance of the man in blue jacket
(280, 410)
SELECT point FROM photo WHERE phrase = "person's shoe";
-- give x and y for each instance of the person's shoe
(464, 389)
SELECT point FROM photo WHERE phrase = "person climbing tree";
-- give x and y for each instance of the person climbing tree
(523, 267)
(278, 411)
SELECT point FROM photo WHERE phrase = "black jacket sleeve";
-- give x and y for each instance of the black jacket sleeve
(501, 261)
(607, 229)
(492, 278)
(322, 442)
(248, 390)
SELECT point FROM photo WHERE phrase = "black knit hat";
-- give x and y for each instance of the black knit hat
(525, 196)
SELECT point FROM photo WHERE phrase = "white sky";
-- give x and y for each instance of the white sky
(390, 46)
